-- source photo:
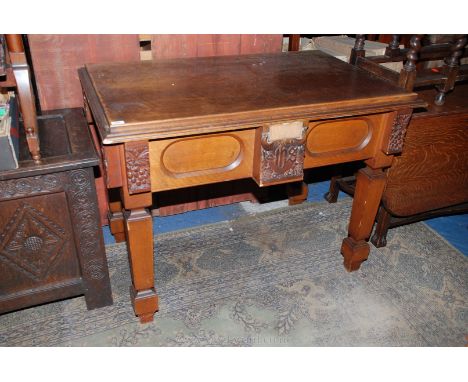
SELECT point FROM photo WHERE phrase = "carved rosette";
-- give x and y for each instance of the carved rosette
(17, 188)
(397, 135)
(281, 160)
(137, 167)
(31, 242)
(86, 224)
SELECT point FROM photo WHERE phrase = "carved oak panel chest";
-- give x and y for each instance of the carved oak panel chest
(51, 245)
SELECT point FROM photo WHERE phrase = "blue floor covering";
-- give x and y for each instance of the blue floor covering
(453, 228)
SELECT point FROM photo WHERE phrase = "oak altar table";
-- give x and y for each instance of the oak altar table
(176, 123)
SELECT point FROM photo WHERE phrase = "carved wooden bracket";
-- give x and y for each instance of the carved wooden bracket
(137, 167)
(282, 153)
(398, 132)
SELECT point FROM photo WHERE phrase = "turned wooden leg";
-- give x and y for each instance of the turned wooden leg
(379, 238)
(393, 47)
(297, 192)
(451, 68)
(408, 73)
(370, 184)
(139, 232)
(358, 50)
(116, 218)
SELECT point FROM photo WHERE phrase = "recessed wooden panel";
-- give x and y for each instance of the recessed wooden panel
(36, 248)
(338, 136)
(179, 160)
(342, 140)
(203, 159)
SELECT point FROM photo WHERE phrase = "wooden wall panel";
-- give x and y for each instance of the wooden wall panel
(56, 59)
(261, 43)
(173, 46)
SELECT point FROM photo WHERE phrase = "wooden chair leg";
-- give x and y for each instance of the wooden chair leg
(393, 48)
(358, 50)
(332, 195)
(297, 192)
(408, 73)
(451, 67)
(379, 238)
(370, 184)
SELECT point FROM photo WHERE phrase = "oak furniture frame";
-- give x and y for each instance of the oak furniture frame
(176, 123)
(51, 244)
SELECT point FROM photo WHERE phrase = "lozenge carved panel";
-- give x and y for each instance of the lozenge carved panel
(36, 244)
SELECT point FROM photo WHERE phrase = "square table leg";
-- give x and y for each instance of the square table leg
(370, 184)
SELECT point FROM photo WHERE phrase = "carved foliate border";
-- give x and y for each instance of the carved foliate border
(82, 200)
(137, 166)
(40, 184)
(398, 132)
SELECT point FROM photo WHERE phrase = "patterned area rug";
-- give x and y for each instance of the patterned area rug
(272, 279)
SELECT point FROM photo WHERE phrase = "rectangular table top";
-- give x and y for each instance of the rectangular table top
(167, 98)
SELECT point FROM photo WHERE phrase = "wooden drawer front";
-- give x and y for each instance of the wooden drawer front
(36, 245)
(342, 140)
(203, 159)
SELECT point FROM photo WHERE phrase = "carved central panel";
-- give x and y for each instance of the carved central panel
(281, 159)
(31, 242)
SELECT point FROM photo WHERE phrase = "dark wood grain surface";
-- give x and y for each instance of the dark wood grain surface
(170, 95)
(432, 171)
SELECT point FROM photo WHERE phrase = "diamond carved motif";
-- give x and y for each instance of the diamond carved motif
(31, 242)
